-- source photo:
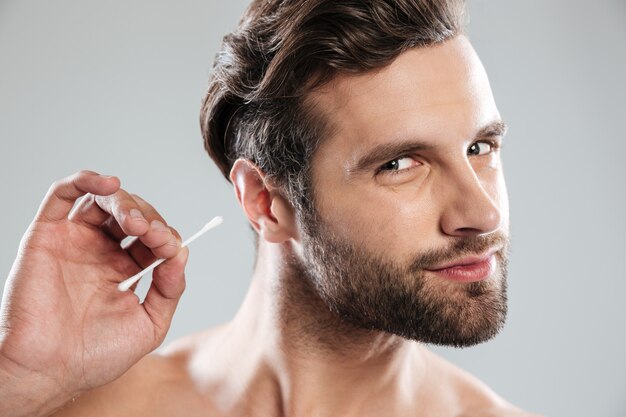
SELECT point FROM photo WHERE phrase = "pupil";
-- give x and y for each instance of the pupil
(474, 149)
(392, 164)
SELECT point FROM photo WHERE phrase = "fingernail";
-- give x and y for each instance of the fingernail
(159, 226)
(136, 215)
(106, 176)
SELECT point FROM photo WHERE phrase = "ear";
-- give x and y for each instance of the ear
(269, 213)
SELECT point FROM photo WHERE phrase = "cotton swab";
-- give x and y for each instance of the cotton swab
(126, 284)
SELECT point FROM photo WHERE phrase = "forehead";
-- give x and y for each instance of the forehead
(438, 93)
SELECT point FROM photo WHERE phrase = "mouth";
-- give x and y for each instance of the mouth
(469, 269)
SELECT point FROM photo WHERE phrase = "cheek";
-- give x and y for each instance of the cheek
(382, 220)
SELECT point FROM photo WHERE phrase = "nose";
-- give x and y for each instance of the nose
(469, 210)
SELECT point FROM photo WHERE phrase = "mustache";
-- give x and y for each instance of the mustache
(461, 248)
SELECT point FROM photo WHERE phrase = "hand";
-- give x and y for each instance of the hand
(62, 318)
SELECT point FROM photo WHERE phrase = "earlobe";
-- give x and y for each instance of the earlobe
(268, 212)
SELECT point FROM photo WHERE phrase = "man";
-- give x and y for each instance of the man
(362, 140)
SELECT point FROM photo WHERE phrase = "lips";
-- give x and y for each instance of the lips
(469, 269)
(470, 260)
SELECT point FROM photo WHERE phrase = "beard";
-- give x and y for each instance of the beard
(370, 292)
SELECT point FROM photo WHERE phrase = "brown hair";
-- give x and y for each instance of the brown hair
(256, 107)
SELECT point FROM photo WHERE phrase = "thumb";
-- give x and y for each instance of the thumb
(168, 284)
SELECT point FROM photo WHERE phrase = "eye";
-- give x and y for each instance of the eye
(398, 165)
(483, 147)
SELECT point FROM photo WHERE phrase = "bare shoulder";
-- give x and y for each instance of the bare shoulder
(156, 385)
(473, 397)
(499, 410)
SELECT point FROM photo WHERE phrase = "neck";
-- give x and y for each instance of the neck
(290, 347)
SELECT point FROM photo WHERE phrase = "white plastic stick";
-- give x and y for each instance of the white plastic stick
(126, 284)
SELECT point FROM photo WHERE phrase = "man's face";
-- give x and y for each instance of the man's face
(404, 184)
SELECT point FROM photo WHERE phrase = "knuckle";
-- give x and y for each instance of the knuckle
(80, 177)
(84, 173)
(145, 204)
(140, 202)
(137, 198)
(125, 197)
(55, 186)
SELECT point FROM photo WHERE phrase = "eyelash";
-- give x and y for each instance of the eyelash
(495, 146)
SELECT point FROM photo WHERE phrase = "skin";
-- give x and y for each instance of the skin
(285, 353)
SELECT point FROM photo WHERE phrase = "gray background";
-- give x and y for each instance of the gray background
(116, 87)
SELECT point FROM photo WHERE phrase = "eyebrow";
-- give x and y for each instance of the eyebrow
(388, 151)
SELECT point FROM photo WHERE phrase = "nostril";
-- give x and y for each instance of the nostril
(469, 230)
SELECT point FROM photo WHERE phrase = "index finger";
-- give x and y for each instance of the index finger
(63, 193)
